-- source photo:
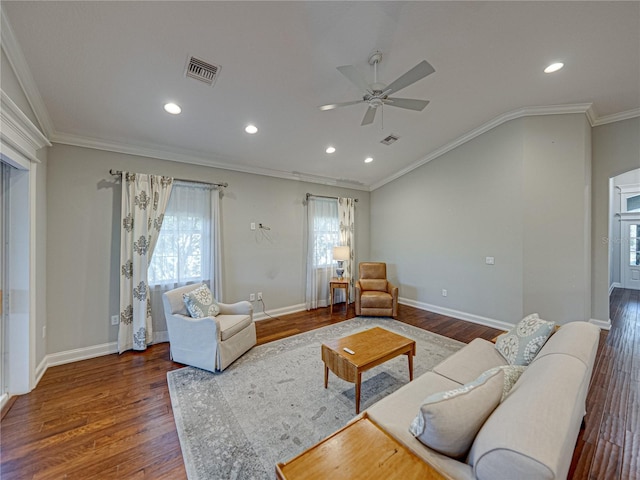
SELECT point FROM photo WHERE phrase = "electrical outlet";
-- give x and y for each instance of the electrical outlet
(44, 331)
(259, 295)
(253, 225)
(252, 297)
(490, 260)
(115, 319)
(444, 292)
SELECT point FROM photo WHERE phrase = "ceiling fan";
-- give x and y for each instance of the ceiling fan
(377, 94)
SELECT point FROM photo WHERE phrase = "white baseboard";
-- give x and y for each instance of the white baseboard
(279, 311)
(4, 398)
(469, 317)
(604, 325)
(614, 285)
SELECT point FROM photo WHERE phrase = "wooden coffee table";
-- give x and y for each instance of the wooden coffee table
(361, 450)
(371, 348)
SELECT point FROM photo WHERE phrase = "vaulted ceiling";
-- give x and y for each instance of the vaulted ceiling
(100, 73)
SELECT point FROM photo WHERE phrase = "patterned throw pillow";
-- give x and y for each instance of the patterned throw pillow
(448, 422)
(511, 375)
(200, 302)
(522, 343)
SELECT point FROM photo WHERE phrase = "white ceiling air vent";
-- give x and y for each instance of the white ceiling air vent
(390, 139)
(203, 71)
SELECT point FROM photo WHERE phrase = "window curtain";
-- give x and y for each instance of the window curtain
(189, 249)
(144, 200)
(346, 214)
(322, 235)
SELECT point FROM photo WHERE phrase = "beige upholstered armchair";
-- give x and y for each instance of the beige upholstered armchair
(375, 295)
(210, 343)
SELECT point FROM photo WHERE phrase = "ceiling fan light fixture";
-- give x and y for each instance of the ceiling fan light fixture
(251, 129)
(554, 67)
(330, 149)
(172, 108)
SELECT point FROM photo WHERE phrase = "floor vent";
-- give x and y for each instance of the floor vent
(202, 71)
(390, 139)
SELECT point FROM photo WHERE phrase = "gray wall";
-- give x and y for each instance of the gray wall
(516, 193)
(83, 241)
(616, 150)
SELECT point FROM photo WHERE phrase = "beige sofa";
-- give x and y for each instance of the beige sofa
(532, 433)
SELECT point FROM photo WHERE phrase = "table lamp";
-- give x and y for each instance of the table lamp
(340, 254)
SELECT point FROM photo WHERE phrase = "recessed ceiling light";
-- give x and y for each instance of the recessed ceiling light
(251, 129)
(172, 108)
(554, 67)
(368, 160)
(330, 149)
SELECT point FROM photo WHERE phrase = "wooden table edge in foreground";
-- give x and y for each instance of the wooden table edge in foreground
(359, 450)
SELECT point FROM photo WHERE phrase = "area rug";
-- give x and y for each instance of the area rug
(271, 404)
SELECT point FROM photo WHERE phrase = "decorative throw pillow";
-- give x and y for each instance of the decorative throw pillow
(511, 375)
(522, 343)
(200, 302)
(449, 421)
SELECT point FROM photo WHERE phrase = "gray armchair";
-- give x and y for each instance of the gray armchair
(210, 343)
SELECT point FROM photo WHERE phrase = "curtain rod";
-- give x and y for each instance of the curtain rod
(325, 196)
(117, 173)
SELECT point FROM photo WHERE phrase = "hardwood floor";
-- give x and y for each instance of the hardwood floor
(110, 417)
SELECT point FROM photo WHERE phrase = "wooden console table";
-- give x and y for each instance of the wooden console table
(360, 450)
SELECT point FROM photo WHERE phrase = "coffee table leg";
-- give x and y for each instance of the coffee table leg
(410, 358)
(358, 382)
(326, 375)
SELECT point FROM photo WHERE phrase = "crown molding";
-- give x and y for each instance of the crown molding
(23, 73)
(196, 158)
(584, 108)
(616, 117)
(17, 131)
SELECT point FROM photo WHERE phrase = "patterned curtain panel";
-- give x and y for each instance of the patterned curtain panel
(144, 200)
(347, 216)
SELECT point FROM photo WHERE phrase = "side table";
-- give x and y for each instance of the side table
(336, 282)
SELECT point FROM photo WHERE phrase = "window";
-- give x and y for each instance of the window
(326, 232)
(327, 236)
(183, 252)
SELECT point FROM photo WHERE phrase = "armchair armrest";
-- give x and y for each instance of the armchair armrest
(239, 308)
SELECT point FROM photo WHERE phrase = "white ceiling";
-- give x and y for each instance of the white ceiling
(103, 70)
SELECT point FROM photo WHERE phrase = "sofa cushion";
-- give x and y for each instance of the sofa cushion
(469, 362)
(521, 344)
(395, 412)
(200, 302)
(376, 299)
(449, 421)
(373, 284)
(232, 324)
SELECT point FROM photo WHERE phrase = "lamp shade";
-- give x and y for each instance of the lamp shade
(341, 253)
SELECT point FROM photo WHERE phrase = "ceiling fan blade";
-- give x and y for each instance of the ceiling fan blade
(331, 106)
(355, 77)
(408, 103)
(369, 116)
(418, 72)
